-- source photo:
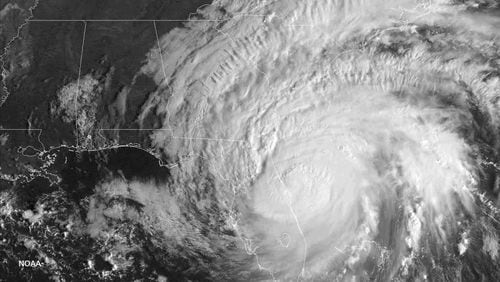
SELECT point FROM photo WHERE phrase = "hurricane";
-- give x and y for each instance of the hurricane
(327, 140)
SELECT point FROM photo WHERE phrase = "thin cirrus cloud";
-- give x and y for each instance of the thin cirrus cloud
(358, 123)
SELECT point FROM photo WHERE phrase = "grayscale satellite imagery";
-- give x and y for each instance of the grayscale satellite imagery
(250, 140)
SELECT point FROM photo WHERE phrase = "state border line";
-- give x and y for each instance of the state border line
(78, 90)
(153, 20)
(85, 21)
(120, 20)
(164, 20)
(4, 73)
(176, 137)
(21, 129)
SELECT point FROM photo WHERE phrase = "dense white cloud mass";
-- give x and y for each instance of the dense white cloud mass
(340, 138)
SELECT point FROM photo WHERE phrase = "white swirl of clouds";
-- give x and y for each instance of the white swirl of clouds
(338, 136)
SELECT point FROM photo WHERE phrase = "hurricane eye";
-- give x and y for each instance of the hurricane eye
(250, 140)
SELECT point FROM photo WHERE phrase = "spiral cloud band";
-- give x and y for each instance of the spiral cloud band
(329, 140)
